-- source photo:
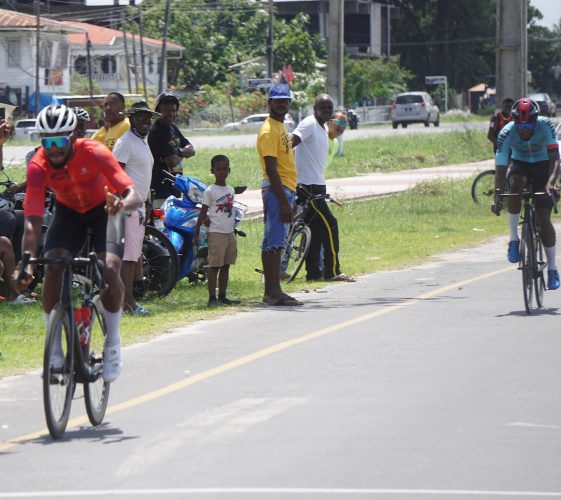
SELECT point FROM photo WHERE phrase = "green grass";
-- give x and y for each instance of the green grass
(431, 218)
(383, 154)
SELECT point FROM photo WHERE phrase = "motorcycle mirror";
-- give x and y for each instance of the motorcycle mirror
(239, 189)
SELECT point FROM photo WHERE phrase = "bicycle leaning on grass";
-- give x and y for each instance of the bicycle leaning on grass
(299, 234)
(532, 262)
(73, 350)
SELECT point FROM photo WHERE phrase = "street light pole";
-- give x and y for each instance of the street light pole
(270, 68)
(37, 56)
(163, 64)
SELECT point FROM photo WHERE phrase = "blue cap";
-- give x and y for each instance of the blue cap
(280, 91)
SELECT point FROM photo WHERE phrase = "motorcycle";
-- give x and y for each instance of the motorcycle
(352, 118)
(179, 222)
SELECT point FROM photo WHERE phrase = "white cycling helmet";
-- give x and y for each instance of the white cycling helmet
(81, 114)
(56, 118)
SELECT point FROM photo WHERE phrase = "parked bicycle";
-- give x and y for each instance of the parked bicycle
(299, 234)
(532, 262)
(79, 330)
(483, 188)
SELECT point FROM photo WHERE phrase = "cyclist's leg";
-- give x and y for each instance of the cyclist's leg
(517, 180)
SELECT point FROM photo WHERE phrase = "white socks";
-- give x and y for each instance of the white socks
(58, 338)
(112, 320)
(550, 255)
(513, 226)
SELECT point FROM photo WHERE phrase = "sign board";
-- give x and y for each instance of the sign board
(260, 83)
(435, 80)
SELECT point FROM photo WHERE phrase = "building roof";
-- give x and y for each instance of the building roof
(11, 20)
(99, 35)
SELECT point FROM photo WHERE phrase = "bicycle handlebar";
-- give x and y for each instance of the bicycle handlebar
(525, 195)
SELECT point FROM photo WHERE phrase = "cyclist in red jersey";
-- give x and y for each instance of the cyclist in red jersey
(91, 188)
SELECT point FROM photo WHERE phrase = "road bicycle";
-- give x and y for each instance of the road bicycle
(532, 262)
(299, 234)
(80, 332)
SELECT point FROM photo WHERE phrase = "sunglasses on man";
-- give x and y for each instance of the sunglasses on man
(60, 141)
(525, 126)
(337, 121)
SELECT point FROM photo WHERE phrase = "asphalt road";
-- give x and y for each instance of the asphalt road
(16, 154)
(429, 382)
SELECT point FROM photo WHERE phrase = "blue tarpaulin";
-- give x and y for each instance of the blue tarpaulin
(44, 100)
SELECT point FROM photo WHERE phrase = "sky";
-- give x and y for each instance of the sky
(551, 10)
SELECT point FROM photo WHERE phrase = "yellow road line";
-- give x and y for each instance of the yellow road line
(244, 360)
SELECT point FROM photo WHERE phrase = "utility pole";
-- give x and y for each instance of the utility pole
(270, 68)
(89, 60)
(134, 60)
(163, 65)
(142, 61)
(512, 50)
(335, 46)
(126, 51)
(37, 55)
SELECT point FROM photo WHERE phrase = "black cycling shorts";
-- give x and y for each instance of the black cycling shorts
(537, 174)
(68, 230)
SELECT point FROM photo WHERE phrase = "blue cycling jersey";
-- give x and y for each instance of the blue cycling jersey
(534, 150)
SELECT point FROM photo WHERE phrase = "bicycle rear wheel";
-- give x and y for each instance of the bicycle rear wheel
(527, 267)
(160, 264)
(539, 280)
(58, 371)
(294, 255)
(483, 189)
(96, 391)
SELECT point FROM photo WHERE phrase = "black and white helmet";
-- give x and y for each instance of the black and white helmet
(81, 114)
(56, 118)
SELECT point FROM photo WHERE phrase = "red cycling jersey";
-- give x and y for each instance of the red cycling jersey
(79, 184)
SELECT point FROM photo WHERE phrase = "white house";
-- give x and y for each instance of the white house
(108, 55)
(18, 42)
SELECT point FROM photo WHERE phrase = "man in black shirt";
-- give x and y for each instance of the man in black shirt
(168, 146)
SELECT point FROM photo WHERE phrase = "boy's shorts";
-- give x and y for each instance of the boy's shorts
(134, 236)
(222, 249)
(274, 235)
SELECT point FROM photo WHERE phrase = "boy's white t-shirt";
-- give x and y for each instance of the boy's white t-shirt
(135, 153)
(311, 154)
(220, 203)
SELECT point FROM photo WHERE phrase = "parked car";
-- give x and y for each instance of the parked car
(253, 123)
(414, 107)
(547, 106)
(24, 128)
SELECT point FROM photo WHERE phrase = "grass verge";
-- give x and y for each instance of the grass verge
(427, 220)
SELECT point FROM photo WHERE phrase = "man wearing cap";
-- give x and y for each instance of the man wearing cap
(134, 155)
(278, 191)
(168, 146)
(116, 123)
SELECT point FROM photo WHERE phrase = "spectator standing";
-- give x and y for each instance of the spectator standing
(336, 127)
(311, 142)
(499, 120)
(278, 191)
(218, 205)
(115, 121)
(134, 155)
(168, 146)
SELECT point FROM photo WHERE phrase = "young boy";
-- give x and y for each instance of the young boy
(218, 205)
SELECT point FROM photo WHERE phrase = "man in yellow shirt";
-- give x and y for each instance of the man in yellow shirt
(278, 190)
(116, 122)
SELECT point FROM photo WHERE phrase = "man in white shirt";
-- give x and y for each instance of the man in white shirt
(134, 155)
(311, 142)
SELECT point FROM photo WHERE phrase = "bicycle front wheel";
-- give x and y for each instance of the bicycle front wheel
(160, 263)
(58, 371)
(527, 267)
(96, 391)
(539, 280)
(294, 255)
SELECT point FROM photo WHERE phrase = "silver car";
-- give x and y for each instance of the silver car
(253, 123)
(414, 107)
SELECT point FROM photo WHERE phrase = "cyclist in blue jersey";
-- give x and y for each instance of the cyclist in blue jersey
(535, 161)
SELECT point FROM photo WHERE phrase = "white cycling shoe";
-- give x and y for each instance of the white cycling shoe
(112, 364)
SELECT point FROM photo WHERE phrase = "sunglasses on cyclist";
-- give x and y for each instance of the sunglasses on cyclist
(525, 126)
(340, 122)
(60, 141)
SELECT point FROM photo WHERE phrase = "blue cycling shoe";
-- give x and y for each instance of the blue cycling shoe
(513, 254)
(552, 279)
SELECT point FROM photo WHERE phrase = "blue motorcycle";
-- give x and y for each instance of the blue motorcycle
(180, 216)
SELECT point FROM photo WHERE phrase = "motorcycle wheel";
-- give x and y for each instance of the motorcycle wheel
(160, 264)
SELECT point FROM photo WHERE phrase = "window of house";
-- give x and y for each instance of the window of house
(13, 53)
